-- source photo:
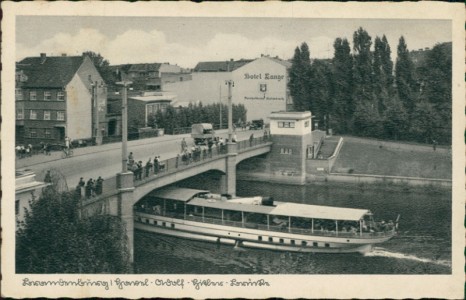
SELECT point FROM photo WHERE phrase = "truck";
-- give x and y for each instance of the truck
(202, 133)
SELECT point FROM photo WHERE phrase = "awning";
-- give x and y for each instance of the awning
(318, 212)
(226, 205)
(176, 193)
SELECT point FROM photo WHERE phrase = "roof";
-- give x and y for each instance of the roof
(49, 72)
(177, 193)
(225, 204)
(153, 98)
(318, 212)
(153, 67)
(221, 66)
(285, 63)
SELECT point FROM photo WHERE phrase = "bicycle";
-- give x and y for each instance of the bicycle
(66, 153)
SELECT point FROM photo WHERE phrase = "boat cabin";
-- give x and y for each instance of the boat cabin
(260, 213)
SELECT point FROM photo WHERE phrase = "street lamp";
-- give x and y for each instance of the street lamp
(124, 124)
(230, 84)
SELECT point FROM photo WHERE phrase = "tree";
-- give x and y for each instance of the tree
(342, 82)
(299, 78)
(363, 71)
(383, 68)
(53, 239)
(404, 76)
(322, 92)
(396, 120)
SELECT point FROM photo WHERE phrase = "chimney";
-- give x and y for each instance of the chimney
(231, 59)
(43, 57)
(63, 54)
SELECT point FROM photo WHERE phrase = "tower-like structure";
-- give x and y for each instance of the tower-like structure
(292, 139)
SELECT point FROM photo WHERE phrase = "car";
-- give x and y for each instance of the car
(256, 124)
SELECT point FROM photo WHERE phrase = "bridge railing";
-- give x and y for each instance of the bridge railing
(174, 164)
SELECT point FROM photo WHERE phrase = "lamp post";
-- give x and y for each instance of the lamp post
(124, 125)
(230, 84)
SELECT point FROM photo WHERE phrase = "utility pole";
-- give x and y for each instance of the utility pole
(124, 124)
(97, 133)
(220, 97)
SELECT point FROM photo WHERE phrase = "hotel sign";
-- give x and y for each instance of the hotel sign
(264, 76)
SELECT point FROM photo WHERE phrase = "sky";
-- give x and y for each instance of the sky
(185, 41)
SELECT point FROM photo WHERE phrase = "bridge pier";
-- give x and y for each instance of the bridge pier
(228, 181)
(125, 186)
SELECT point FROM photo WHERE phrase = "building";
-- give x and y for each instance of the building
(59, 96)
(144, 104)
(261, 85)
(27, 189)
(292, 144)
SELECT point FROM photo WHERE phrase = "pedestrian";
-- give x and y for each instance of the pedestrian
(156, 165)
(81, 182)
(148, 167)
(434, 144)
(48, 177)
(177, 160)
(130, 159)
(251, 139)
(139, 164)
(265, 134)
(67, 142)
(89, 188)
(99, 185)
(234, 139)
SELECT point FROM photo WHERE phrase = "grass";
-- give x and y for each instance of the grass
(362, 158)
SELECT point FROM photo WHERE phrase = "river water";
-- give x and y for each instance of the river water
(423, 245)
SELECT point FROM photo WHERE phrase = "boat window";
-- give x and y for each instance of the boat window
(327, 245)
(231, 215)
(282, 241)
(303, 243)
(254, 220)
(301, 223)
(172, 225)
(315, 244)
(270, 239)
(193, 211)
(147, 220)
(259, 238)
(174, 208)
(324, 225)
(292, 242)
(213, 213)
(164, 224)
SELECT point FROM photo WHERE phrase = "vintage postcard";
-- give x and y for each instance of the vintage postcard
(224, 150)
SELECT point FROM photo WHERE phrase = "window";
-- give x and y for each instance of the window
(19, 114)
(287, 151)
(172, 225)
(303, 243)
(32, 133)
(164, 224)
(17, 207)
(46, 114)
(270, 239)
(32, 95)
(259, 238)
(292, 242)
(18, 94)
(61, 96)
(33, 115)
(315, 244)
(60, 115)
(47, 133)
(282, 241)
(285, 124)
(47, 96)
(327, 245)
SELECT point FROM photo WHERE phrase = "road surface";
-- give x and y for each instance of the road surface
(106, 160)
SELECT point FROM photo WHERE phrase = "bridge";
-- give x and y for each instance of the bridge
(122, 191)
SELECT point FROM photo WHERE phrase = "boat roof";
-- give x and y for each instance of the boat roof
(177, 193)
(225, 204)
(318, 211)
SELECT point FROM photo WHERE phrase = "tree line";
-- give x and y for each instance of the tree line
(173, 118)
(363, 93)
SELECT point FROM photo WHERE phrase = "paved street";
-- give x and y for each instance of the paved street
(105, 160)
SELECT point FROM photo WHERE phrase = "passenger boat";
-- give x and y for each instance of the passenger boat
(259, 222)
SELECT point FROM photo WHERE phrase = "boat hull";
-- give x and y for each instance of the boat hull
(253, 238)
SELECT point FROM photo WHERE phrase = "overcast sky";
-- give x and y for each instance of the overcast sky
(186, 41)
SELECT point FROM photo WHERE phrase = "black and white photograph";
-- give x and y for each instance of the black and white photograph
(233, 150)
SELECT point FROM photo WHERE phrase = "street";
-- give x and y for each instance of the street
(105, 160)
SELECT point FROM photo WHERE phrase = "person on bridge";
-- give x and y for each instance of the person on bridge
(184, 145)
(156, 165)
(130, 159)
(99, 185)
(148, 167)
(251, 139)
(89, 188)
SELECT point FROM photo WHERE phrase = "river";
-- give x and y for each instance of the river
(423, 245)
